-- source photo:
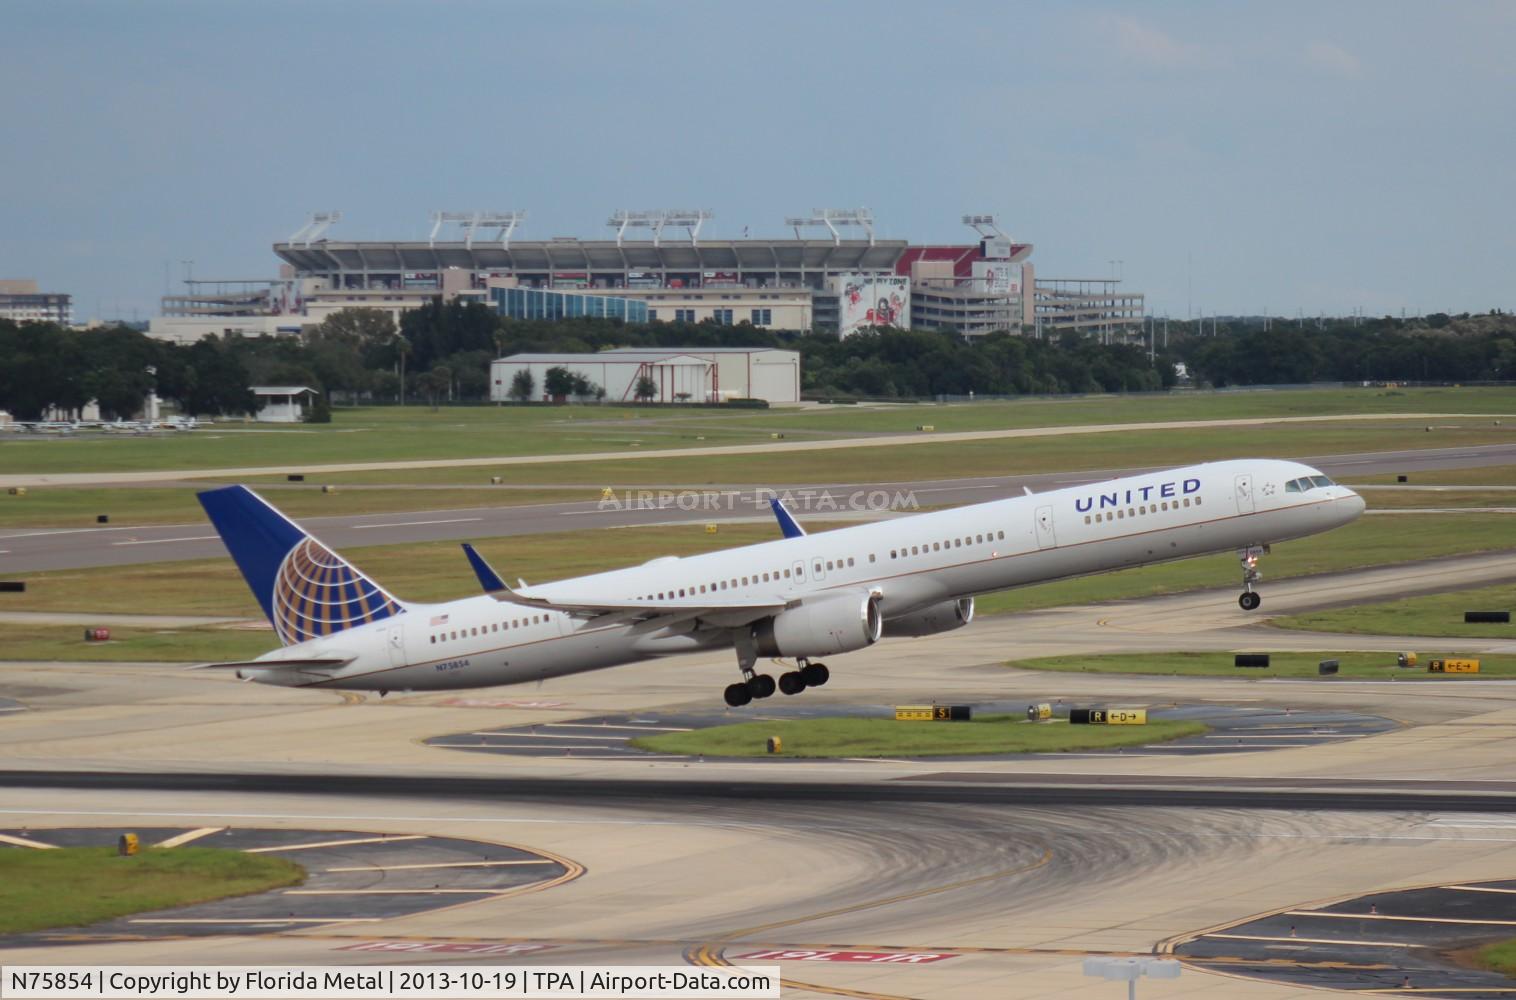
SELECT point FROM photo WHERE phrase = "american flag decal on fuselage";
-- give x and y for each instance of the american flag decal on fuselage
(316, 594)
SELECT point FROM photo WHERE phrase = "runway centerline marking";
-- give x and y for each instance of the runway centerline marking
(1385, 916)
(441, 864)
(35, 845)
(1304, 940)
(189, 835)
(550, 736)
(337, 843)
(166, 541)
(396, 892)
(1478, 888)
(598, 725)
(264, 920)
(411, 524)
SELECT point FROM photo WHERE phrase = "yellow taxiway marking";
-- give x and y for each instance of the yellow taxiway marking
(1478, 888)
(1413, 920)
(189, 835)
(712, 952)
(1303, 940)
(441, 864)
(338, 843)
(6, 838)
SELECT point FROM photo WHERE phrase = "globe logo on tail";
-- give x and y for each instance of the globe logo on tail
(316, 594)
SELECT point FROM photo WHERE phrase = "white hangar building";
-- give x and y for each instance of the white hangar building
(679, 374)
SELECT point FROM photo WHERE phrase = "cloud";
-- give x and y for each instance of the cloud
(1333, 59)
(1151, 45)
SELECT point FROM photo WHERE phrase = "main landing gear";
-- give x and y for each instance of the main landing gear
(759, 686)
(1249, 601)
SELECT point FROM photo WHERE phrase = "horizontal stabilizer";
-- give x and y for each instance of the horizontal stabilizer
(325, 663)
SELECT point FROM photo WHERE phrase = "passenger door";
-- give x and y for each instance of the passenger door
(395, 640)
(1244, 492)
(1046, 539)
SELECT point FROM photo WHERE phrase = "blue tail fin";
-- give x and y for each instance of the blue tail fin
(305, 588)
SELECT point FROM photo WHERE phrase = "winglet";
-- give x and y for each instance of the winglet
(787, 522)
(488, 578)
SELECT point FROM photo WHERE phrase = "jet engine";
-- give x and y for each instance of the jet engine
(824, 624)
(943, 617)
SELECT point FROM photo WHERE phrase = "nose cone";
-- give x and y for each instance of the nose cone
(1352, 506)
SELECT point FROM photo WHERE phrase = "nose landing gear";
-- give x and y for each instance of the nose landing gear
(1249, 600)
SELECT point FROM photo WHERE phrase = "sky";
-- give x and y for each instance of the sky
(1221, 157)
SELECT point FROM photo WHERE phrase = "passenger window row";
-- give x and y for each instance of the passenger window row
(1141, 510)
(950, 543)
(503, 626)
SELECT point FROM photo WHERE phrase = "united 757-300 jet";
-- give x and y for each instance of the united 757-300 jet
(800, 597)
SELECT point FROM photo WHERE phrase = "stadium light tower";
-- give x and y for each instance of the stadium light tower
(319, 223)
(984, 224)
(690, 219)
(831, 218)
(504, 224)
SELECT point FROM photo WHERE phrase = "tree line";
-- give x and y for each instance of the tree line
(443, 351)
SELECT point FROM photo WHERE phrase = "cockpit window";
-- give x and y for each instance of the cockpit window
(1322, 481)
(1293, 486)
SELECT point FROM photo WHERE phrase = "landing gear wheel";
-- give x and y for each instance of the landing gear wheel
(1249, 601)
(792, 682)
(737, 695)
(760, 685)
(815, 674)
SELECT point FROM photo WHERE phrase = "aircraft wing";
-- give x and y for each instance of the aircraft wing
(703, 606)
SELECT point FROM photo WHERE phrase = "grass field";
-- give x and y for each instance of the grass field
(1488, 475)
(133, 645)
(1379, 666)
(1498, 957)
(1262, 404)
(932, 459)
(856, 737)
(1433, 614)
(71, 507)
(418, 433)
(1370, 541)
(437, 571)
(1393, 499)
(76, 886)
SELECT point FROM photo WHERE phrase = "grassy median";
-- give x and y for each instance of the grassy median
(134, 645)
(1498, 957)
(76, 886)
(1377, 666)
(859, 737)
(1432, 614)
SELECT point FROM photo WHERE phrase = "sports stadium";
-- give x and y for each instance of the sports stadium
(833, 274)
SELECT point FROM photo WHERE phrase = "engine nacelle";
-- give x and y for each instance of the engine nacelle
(942, 617)
(825, 624)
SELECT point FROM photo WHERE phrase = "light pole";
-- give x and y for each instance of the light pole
(1130, 970)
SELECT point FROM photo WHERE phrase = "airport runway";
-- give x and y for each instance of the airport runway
(882, 879)
(34, 549)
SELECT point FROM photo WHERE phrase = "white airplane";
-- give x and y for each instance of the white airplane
(801, 597)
